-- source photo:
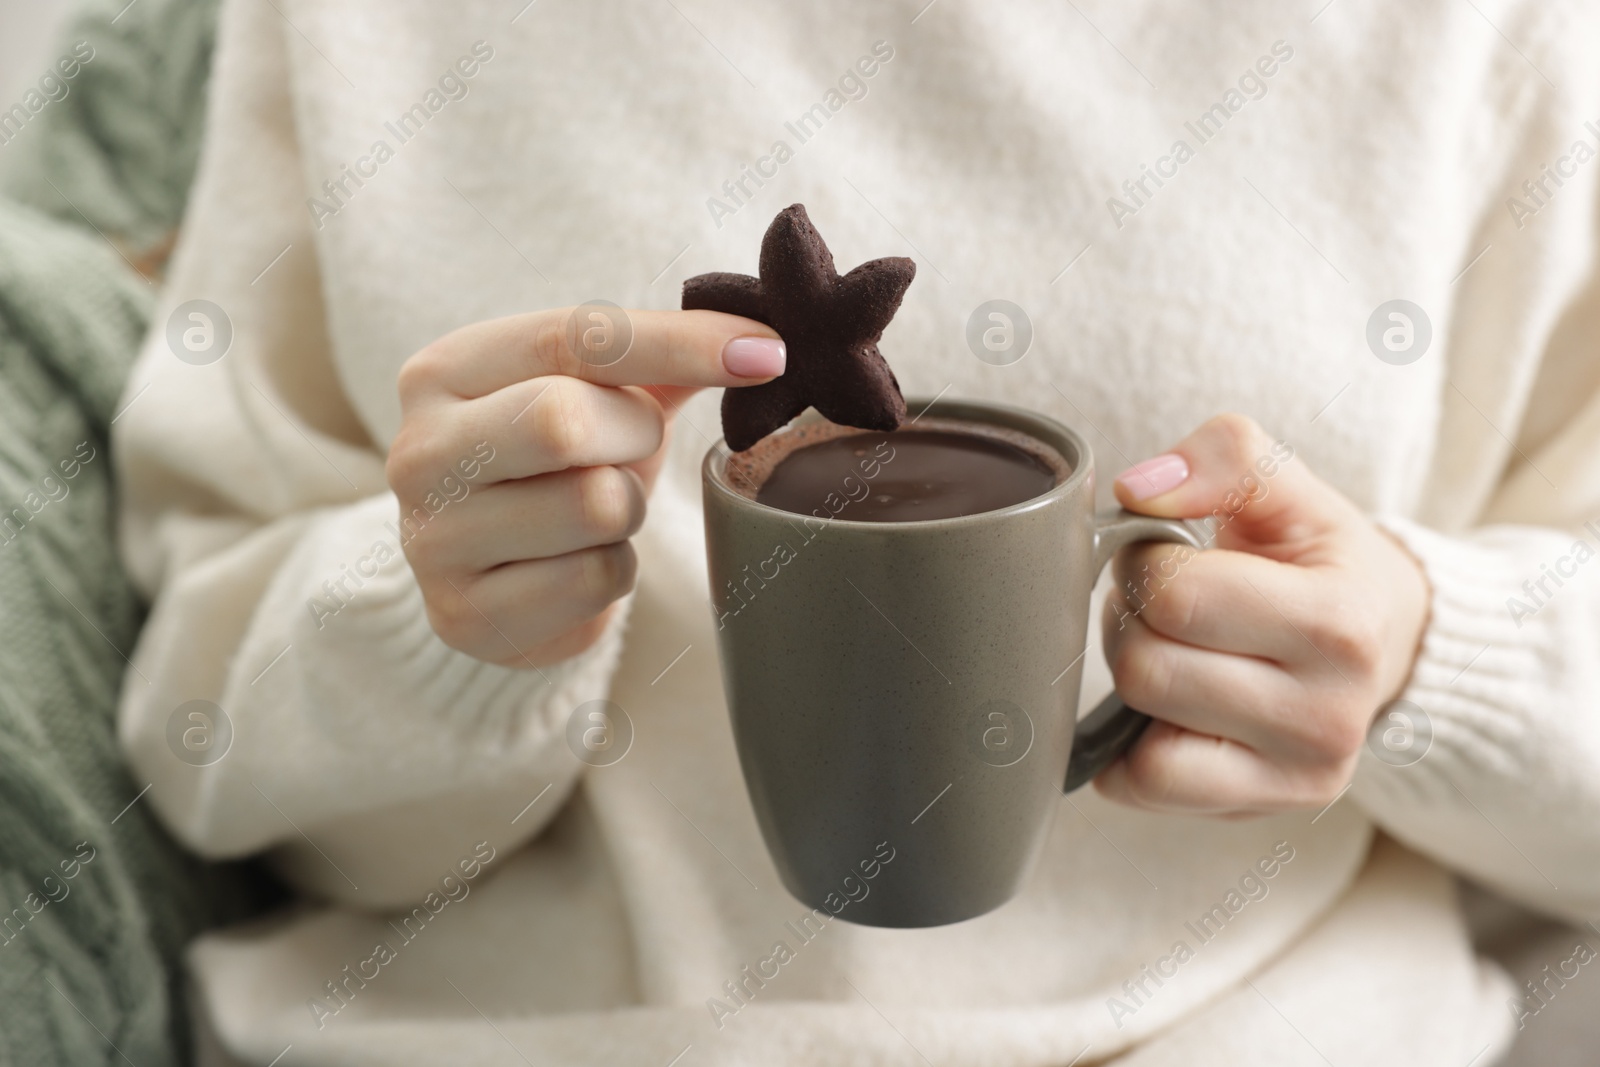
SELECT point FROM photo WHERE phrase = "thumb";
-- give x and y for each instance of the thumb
(1231, 469)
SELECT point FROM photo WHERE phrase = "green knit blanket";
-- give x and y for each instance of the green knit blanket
(96, 902)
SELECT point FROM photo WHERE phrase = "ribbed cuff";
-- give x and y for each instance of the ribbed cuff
(1477, 671)
(487, 707)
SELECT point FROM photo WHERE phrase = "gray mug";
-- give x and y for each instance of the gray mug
(910, 689)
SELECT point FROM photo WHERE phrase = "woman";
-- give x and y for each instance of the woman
(1203, 209)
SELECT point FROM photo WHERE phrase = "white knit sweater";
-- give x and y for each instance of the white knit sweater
(1332, 160)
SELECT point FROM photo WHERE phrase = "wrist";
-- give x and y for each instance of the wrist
(1411, 609)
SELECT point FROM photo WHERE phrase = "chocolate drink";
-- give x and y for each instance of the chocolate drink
(939, 470)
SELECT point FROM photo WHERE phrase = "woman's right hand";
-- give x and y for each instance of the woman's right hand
(521, 564)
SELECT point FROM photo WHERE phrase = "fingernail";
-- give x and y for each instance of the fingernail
(754, 357)
(1153, 477)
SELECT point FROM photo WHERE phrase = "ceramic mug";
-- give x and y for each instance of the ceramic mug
(910, 689)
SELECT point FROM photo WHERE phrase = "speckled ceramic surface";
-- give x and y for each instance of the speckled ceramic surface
(913, 686)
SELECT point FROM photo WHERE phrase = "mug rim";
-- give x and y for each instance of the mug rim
(714, 464)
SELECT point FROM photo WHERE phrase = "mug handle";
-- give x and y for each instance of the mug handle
(1107, 731)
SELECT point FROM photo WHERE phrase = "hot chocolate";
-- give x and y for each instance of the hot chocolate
(939, 469)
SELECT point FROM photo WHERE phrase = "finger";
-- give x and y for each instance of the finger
(1171, 769)
(535, 518)
(551, 424)
(576, 640)
(649, 469)
(1255, 488)
(1243, 699)
(672, 397)
(1222, 600)
(509, 614)
(607, 346)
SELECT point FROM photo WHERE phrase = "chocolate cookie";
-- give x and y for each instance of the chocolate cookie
(829, 324)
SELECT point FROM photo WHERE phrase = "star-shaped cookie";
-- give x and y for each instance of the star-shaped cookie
(829, 324)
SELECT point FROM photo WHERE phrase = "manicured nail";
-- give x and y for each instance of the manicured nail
(754, 357)
(1153, 477)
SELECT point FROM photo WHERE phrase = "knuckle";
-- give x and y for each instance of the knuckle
(422, 555)
(561, 421)
(605, 504)
(1348, 635)
(453, 619)
(1242, 436)
(551, 353)
(579, 639)
(1142, 674)
(1348, 738)
(420, 375)
(408, 463)
(1361, 649)
(599, 576)
(1116, 620)
(1173, 606)
(1151, 774)
(606, 573)
(658, 420)
(1332, 734)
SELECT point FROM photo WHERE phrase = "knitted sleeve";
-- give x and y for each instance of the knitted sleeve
(1491, 763)
(288, 693)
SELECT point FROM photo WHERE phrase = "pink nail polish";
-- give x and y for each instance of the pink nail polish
(1155, 476)
(754, 357)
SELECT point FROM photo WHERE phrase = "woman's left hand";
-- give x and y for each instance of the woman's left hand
(1265, 660)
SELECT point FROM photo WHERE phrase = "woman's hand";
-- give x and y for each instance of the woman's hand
(524, 568)
(1265, 660)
